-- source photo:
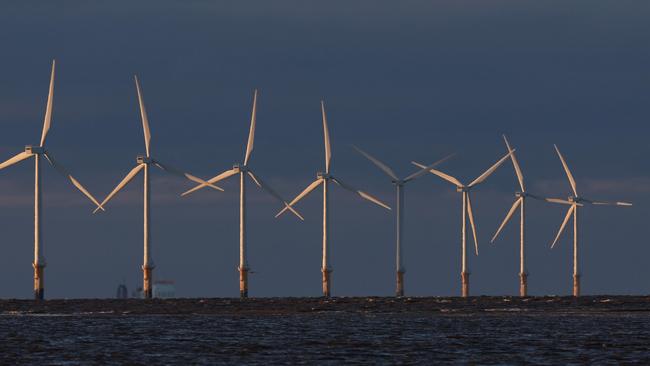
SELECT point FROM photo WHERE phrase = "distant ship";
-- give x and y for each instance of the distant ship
(162, 289)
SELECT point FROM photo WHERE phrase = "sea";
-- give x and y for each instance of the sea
(308, 331)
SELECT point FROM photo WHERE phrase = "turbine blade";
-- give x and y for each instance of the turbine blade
(222, 176)
(385, 168)
(121, 185)
(273, 193)
(512, 211)
(566, 220)
(361, 193)
(48, 109)
(302, 194)
(558, 200)
(326, 136)
(471, 221)
(424, 170)
(489, 172)
(188, 176)
(143, 115)
(64, 172)
(515, 163)
(251, 133)
(442, 175)
(568, 172)
(607, 203)
(15, 159)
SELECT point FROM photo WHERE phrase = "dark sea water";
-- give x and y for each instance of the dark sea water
(481, 330)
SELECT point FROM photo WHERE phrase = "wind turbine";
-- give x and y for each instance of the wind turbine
(399, 187)
(575, 201)
(520, 202)
(324, 180)
(143, 163)
(467, 212)
(37, 152)
(244, 170)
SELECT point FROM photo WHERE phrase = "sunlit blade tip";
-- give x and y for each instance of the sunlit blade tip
(326, 138)
(566, 220)
(251, 132)
(48, 109)
(511, 213)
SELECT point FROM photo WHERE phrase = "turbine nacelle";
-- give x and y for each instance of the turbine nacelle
(321, 175)
(36, 150)
(575, 199)
(462, 189)
(144, 160)
(240, 168)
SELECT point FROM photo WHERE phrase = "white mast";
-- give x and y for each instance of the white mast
(324, 178)
(244, 170)
(144, 163)
(399, 215)
(575, 201)
(467, 213)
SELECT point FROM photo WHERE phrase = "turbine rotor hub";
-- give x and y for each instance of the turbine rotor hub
(37, 150)
(241, 167)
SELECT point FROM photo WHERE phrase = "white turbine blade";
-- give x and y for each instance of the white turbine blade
(512, 211)
(361, 193)
(426, 169)
(566, 220)
(188, 176)
(251, 133)
(121, 185)
(470, 213)
(385, 168)
(273, 193)
(64, 172)
(326, 136)
(15, 159)
(607, 203)
(48, 109)
(515, 163)
(222, 176)
(143, 115)
(489, 172)
(302, 194)
(558, 200)
(442, 175)
(568, 172)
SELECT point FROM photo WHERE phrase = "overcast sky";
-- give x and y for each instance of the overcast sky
(404, 80)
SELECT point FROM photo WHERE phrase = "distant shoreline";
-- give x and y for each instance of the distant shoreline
(315, 305)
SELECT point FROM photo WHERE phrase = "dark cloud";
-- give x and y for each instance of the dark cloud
(403, 80)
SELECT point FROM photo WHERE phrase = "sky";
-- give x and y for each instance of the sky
(408, 80)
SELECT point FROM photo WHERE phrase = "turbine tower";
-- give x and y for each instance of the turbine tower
(324, 180)
(575, 201)
(520, 202)
(37, 152)
(399, 228)
(467, 212)
(143, 163)
(244, 170)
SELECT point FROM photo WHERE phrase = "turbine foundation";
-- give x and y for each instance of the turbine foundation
(39, 281)
(400, 284)
(576, 285)
(326, 281)
(523, 284)
(147, 281)
(243, 282)
(465, 282)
